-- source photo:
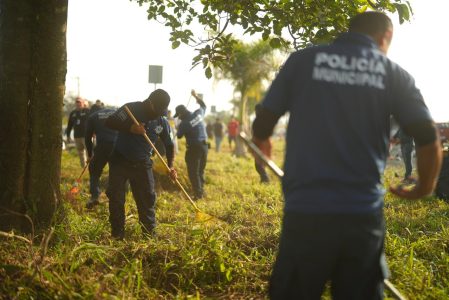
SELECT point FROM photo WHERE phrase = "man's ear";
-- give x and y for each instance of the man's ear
(383, 40)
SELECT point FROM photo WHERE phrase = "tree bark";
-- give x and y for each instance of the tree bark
(239, 146)
(32, 79)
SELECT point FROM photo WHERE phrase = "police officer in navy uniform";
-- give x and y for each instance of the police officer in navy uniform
(193, 128)
(131, 160)
(340, 98)
(98, 156)
(77, 122)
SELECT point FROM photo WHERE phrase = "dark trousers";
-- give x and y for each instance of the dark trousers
(260, 168)
(140, 176)
(344, 249)
(102, 153)
(406, 151)
(232, 138)
(196, 157)
(442, 188)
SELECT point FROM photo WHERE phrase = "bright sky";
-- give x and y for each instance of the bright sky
(110, 44)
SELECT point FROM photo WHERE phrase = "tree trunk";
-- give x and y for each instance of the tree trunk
(32, 79)
(239, 146)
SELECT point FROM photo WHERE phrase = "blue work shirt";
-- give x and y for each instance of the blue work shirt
(340, 98)
(77, 121)
(134, 147)
(95, 125)
(192, 127)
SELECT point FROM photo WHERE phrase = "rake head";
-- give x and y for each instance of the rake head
(75, 189)
(202, 217)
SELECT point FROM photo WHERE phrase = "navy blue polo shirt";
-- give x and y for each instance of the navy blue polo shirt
(95, 125)
(340, 98)
(77, 121)
(134, 147)
(192, 127)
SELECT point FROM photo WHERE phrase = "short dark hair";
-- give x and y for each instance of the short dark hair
(370, 22)
(180, 111)
(160, 100)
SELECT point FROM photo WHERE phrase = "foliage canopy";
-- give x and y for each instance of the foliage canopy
(208, 25)
(251, 64)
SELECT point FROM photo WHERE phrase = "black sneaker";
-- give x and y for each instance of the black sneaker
(119, 236)
(197, 197)
(265, 180)
(92, 202)
(149, 235)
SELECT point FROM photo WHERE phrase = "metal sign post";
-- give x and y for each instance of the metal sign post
(155, 74)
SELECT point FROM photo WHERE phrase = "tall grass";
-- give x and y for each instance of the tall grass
(227, 259)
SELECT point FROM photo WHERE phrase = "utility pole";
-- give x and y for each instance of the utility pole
(78, 84)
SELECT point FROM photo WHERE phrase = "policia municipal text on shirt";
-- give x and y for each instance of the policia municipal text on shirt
(193, 128)
(333, 227)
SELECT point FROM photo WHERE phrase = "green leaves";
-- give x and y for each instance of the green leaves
(403, 11)
(208, 72)
(281, 22)
(275, 43)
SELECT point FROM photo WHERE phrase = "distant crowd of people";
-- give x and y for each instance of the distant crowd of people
(77, 120)
(218, 130)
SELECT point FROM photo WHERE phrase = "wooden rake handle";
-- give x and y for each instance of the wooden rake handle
(130, 114)
(84, 169)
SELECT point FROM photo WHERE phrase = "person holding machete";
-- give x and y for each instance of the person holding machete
(340, 97)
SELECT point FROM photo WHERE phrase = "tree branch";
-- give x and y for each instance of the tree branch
(13, 235)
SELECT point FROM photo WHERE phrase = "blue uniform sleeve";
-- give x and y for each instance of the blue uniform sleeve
(69, 125)
(278, 96)
(168, 142)
(202, 110)
(120, 120)
(201, 104)
(408, 105)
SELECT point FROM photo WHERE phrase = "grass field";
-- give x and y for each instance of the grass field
(229, 257)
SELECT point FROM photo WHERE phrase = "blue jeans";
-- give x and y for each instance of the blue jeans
(345, 249)
(140, 176)
(218, 140)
